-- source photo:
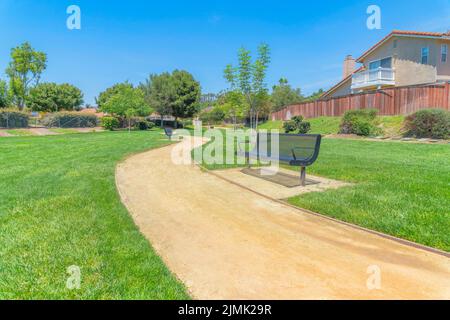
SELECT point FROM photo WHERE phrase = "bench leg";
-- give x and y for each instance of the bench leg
(303, 176)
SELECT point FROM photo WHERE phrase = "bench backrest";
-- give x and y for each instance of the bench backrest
(303, 148)
(169, 132)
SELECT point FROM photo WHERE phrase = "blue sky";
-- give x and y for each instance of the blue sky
(127, 40)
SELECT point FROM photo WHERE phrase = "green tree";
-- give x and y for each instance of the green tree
(111, 91)
(187, 95)
(284, 95)
(234, 105)
(24, 71)
(52, 97)
(159, 92)
(249, 79)
(127, 102)
(4, 95)
(177, 94)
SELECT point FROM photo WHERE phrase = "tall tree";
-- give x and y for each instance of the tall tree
(284, 95)
(159, 92)
(177, 94)
(24, 71)
(187, 94)
(249, 79)
(52, 97)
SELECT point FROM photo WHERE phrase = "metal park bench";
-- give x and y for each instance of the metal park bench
(300, 150)
(168, 132)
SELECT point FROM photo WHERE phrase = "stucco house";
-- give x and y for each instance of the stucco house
(402, 58)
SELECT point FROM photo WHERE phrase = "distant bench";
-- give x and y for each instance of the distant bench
(169, 132)
(300, 150)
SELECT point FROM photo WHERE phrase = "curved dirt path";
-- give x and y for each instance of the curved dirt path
(226, 242)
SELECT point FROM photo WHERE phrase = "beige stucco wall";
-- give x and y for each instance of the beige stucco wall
(407, 57)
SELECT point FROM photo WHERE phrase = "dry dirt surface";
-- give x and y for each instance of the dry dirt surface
(226, 242)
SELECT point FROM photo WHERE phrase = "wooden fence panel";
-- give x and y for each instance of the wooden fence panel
(392, 101)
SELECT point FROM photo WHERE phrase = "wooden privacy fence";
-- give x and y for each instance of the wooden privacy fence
(390, 102)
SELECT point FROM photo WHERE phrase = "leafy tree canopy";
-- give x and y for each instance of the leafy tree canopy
(159, 92)
(51, 97)
(108, 93)
(187, 94)
(177, 94)
(24, 71)
(127, 102)
(284, 95)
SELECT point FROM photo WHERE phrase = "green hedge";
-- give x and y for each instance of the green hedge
(428, 123)
(361, 122)
(10, 118)
(70, 120)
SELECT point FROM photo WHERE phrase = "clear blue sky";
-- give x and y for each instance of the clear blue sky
(126, 40)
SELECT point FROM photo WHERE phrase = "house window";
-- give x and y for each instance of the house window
(444, 51)
(425, 54)
(395, 44)
(383, 63)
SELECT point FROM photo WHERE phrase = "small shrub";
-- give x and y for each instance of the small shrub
(70, 120)
(289, 126)
(110, 123)
(428, 123)
(11, 118)
(297, 125)
(304, 127)
(360, 122)
(144, 125)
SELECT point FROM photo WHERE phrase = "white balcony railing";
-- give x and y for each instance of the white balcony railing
(377, 77)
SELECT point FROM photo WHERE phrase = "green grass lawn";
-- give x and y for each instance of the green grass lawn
(64, 131)
(400, 189)
(60, 208)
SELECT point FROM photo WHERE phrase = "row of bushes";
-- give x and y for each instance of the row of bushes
(10, 118)
(426, 123)
(139, 123)
(70, 120)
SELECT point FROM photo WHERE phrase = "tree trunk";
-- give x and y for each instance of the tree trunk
(162, 121)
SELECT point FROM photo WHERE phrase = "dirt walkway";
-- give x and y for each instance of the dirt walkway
(225, 242)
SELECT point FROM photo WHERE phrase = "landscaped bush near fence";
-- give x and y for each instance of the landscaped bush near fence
(297, 125)
(70, 120)
(110, 123)
(428, 123)
(11, 118)
(360, 122)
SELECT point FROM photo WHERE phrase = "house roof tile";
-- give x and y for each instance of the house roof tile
(403, 33)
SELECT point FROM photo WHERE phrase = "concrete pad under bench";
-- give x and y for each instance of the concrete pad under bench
(275, 190)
